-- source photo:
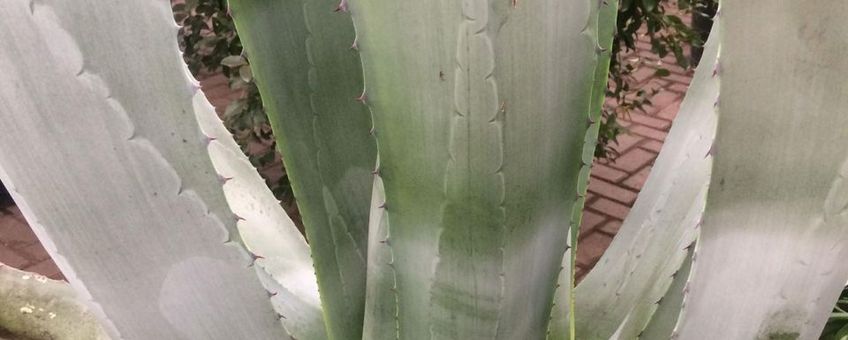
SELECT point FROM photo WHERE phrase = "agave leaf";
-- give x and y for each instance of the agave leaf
(33, 306)
(771, 255)
(668, 308)
(637, 269)
(282, 255)
(561, 326)
(310, 77)
(481, 110)
(380, 280)
(116, 180)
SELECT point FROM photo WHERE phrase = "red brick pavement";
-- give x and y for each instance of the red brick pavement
(614, 186)
(20, 248)
(612, 189)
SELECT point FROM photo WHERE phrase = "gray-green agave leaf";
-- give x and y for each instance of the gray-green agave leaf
(126, 176)
(480, 111)
(619, 295)
(770, 261)
(310, 77)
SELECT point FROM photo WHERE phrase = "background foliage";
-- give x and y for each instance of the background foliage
(660, 21)
(837, 326)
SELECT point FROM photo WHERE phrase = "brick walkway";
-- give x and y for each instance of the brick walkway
(612, 189)
(20, 248)
(614, 186)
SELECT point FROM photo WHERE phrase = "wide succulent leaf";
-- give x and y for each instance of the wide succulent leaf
(279, 251)
(637, 269)
(310, 76)
(667, 313)
(122, 185)
(480, 111)
(562, 323)
(770, 261)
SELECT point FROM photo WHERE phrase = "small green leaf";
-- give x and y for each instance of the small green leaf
(233, 61)
(661, 72)
(842, 334)
(649, 5)
(234, 108)
(245, 73)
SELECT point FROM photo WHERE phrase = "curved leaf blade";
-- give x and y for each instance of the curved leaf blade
(562, 324)
(135, 216)
(310, 77)
(621, 292)
(665, 318)
(773, 242)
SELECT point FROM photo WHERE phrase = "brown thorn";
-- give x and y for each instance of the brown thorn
(362, 98)
(342, 7)
(223, 180)
(254, 255)
(711, 151)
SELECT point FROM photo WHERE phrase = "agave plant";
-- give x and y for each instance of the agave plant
(439, 152)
